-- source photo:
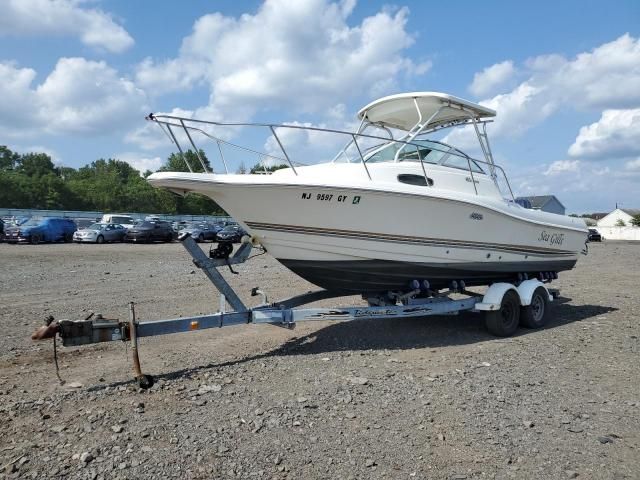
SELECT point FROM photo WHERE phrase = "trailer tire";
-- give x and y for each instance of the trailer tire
(535, 314)
(504, 322)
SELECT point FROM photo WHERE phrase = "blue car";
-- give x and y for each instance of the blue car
(42, 230)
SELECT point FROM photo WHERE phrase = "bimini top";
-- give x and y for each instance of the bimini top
(399, 111)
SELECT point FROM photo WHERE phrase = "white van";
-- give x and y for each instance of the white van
(125, 220)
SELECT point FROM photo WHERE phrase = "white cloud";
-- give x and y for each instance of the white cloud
(294, 55)
(615, 135)
(491, 78)
(93, 27)
(606, 77)
(580, 186)
(633, 165)
(304, 146)
(79, 96)
(55, 158)
(141, 162)
(18, 100)
(562, 166)
(517, 111)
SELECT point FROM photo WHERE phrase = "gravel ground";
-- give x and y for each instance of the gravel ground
(434, 398)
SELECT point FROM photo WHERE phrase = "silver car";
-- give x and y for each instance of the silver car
(201, 231)
(100, 233)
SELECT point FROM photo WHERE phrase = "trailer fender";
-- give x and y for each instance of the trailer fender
(526, 289)
(493, 298)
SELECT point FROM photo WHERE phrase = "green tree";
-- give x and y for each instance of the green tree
(36, 165)
(261, 168)
(111, 185)
(620, 223)
(8, 159)
(635, 221)
(176, 162)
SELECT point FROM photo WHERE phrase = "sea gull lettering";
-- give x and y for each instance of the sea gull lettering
(551, 238)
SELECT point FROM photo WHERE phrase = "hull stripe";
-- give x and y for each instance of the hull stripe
(524, 249)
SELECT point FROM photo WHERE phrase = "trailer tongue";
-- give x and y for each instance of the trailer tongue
(503, 304)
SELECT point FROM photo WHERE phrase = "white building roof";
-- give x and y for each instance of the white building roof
(624, 214)
(399, 111)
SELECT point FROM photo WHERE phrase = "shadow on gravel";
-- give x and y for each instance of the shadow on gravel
(411, 333)
(400, 334)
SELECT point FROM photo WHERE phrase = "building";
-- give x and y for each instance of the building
(546, 203)
(610, 228)
(613, 218)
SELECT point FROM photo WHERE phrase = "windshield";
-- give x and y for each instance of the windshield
(230, 228)
(424, 150)
(142, 223)
(96, 226)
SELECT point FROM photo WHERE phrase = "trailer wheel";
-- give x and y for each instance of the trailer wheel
(535, 315)
(504, 322)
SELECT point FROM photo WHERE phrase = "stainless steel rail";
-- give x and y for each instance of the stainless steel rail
(169, 121)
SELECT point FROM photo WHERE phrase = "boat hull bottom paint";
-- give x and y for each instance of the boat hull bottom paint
(375, 276)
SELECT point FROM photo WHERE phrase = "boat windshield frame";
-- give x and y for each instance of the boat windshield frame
(410, 139)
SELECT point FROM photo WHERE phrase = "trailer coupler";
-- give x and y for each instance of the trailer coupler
(96, 330)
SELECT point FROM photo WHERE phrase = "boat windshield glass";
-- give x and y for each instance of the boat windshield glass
(424, 150)
(462, 162)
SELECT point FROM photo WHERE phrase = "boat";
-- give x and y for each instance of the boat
(394, 210)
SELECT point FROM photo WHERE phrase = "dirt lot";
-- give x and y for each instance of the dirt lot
(433, 398)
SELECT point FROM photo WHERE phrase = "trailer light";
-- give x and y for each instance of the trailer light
(195, 325)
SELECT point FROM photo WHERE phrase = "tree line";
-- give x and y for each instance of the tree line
(32, 180)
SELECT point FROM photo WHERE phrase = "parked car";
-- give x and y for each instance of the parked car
(231, 233)
(125, 220)
(594, 235)
(179, 226)
(84, 222)
(42, 230)
(100, 233)
(145, 231)
(1, 230)
(202, 231)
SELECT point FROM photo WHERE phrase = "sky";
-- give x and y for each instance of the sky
(77, 78)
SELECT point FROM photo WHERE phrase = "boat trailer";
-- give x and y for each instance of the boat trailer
(419, 301)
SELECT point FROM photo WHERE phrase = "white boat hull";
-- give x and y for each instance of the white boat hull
(361, 239)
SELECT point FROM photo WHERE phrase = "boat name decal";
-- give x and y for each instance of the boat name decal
(476, 216)
(551, 238)
(330, 197)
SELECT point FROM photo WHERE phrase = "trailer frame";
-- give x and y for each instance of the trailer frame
(417, 301)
